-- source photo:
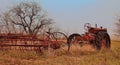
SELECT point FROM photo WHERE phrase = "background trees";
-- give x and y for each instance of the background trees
(26, 17)
(117, 30)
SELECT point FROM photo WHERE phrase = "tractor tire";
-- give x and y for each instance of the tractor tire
(72, 41)
(102, 40)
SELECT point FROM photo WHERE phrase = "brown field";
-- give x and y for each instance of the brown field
(85, 55)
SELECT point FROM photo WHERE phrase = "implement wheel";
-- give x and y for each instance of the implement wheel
(102, 40)
(58, 40)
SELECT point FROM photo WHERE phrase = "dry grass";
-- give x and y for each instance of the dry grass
(85, 55)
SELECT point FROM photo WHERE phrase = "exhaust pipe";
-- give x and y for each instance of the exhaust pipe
(95, 25)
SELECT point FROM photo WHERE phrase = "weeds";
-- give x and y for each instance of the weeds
(85, 55)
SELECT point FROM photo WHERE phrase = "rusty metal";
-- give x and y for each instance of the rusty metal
(22, 41)
(97, 37)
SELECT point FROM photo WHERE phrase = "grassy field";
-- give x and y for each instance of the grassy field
(78, 56)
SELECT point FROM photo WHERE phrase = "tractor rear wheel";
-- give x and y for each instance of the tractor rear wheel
(102, 40)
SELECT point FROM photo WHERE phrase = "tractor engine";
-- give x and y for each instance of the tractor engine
(96, 30)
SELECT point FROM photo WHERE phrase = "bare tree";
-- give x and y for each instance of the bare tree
(117, 30)
(5, 22)
(29, 16)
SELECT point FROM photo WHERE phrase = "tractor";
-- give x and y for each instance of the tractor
(97, 37)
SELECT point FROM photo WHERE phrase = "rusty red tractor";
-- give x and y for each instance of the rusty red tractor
(97, 37)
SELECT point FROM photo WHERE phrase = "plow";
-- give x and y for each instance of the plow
(94, 36)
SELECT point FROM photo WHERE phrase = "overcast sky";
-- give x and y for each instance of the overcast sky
(71, 15)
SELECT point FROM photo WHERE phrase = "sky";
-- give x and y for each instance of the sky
(71, 15)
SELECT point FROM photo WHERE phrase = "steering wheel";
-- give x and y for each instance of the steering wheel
(87, 26)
